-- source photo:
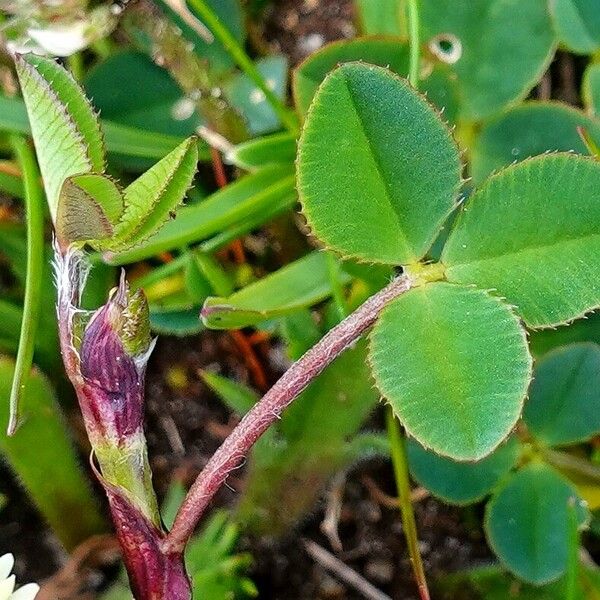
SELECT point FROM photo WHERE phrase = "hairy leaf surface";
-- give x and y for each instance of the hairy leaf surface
(453, 363)
(65, 129)
(151, 198)
(378, 172)
(532, 232)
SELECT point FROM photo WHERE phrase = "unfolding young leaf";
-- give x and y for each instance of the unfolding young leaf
(89, 206)
(65, 129)
(151, 198)
(453, 363)
(378, 172)
(532, 232)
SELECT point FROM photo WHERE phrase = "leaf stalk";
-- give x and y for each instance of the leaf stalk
(268, 410)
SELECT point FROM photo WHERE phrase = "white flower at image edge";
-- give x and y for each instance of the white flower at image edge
(7, 582)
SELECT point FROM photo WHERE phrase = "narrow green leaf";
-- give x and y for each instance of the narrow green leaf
(42, 455)
(384, 193)
(249, 196)
(564, 404)
(34, 204)
(238, 397)
(532, 233)
(515, 37)
(453, 363)
(302, 283)
(278, 148)
(460, 482)
(527, 523)
(527, 130)
(64, 127)
(577, 23)
(152, 197)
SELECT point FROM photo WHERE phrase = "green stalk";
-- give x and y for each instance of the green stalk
(211, 20)
(413, 33)
(333, 267)
(572, 574)
(400, 464)
(34, 210)
(397, 441)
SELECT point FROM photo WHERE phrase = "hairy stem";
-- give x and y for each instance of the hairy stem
(238, 54)
(34, 209)
(269, 408)
(400, 463)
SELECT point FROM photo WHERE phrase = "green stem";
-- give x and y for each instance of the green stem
(572, 574)
(400, 464)
(333, 268)
(34, 209)
(413, 32)
(211, 20)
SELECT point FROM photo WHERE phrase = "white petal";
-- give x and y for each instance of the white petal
(27, 592)
(61, 40)
(7, 562)
(6, 588)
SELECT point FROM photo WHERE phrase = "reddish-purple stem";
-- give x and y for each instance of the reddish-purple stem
(269, 408)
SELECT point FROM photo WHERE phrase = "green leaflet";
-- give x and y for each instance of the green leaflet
(88, 207)
(506, 45)
(384, 51)
(42, 455)
(527, 523)
(453, 363)
(383, 193)
(564, 404)
(65, 129)
(527, 130)
(302, 283)
(577, 23)
(532, 232)
(151, 198)
(461, 482)
(390, 52)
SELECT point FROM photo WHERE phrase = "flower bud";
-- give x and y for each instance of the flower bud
(113, 354)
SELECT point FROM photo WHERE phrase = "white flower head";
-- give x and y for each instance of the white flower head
(7, 582)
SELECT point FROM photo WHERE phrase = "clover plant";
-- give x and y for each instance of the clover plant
(453, 275)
